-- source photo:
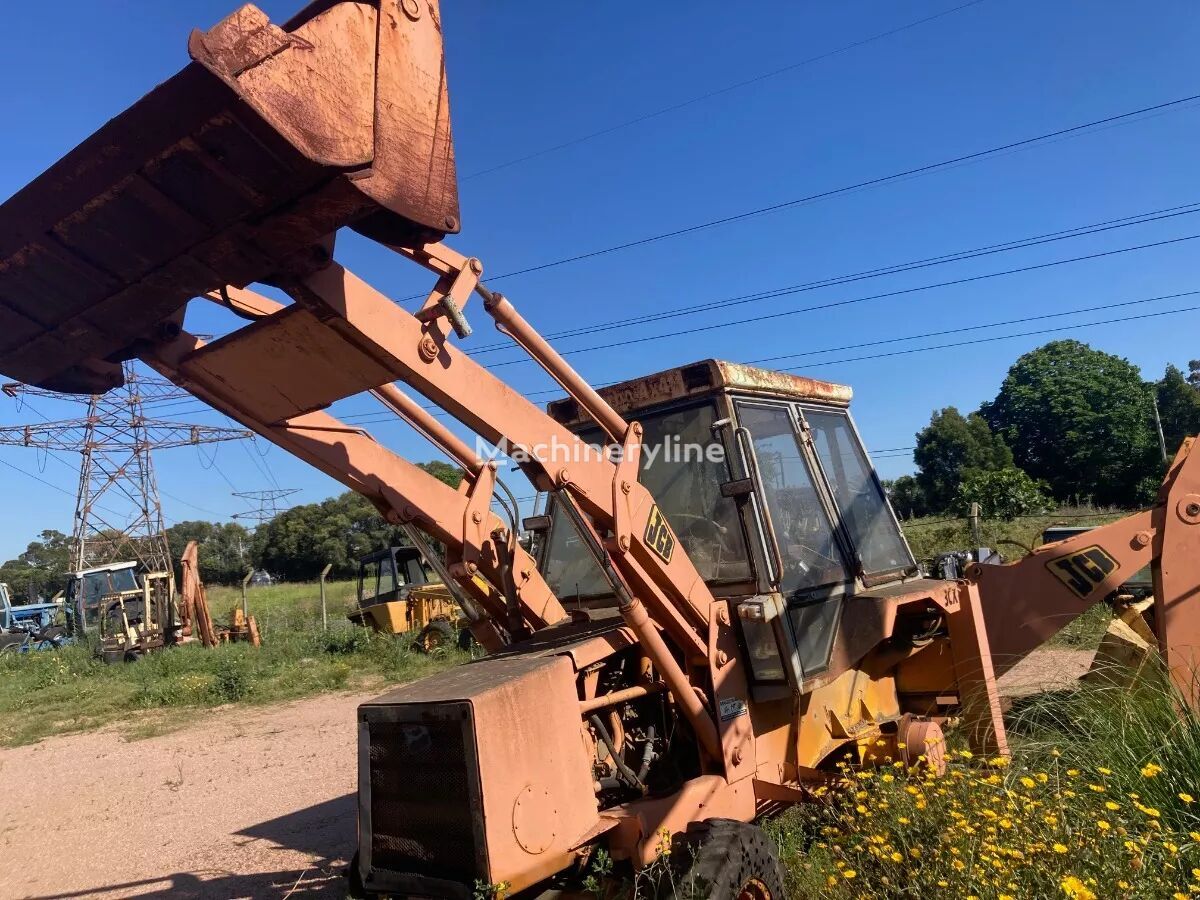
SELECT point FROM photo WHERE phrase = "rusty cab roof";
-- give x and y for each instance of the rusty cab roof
(702, 379)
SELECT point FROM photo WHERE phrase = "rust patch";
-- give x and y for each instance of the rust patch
(703, 378)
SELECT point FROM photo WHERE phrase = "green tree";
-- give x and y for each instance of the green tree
(949, 447)
(298, 543)
(442, 471)
(1178, 407)
(1080, 420)
(1194, 373)
(224, 550)
(1001, 494)
(42, 569)
(906, 496)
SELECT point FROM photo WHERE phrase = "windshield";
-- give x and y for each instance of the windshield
(857, 493)
(683, 467)
(803, 530)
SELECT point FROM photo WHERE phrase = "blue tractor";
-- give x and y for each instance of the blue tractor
(29, 626)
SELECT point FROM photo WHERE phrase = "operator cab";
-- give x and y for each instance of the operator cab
(87, 588)
(764, 480)
(391, 574)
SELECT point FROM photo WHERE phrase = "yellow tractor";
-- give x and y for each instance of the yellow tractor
(400, 593)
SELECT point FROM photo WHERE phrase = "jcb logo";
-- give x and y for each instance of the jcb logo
(658, 535)
(1084, 569)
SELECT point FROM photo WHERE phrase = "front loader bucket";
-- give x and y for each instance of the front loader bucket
(238, 169)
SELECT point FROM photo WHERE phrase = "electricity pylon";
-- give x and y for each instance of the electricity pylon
(118, 514)
(268, 504)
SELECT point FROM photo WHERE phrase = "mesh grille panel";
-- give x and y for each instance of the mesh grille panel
(422, 802)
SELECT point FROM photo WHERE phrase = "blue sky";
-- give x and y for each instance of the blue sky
(532, 75)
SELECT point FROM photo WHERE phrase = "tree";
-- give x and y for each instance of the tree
(298, 543)
(442, 471)
(42, 569)
(951, 446)
(1178, 407)
(907, 499)
(1194, 373)
(1001, 494)
(1080, 420)
(224, 550)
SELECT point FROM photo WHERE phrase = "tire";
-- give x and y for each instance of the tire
(732, 861)
(466, 640)
(435, 636)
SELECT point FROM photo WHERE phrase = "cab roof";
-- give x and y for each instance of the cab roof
(709, 376)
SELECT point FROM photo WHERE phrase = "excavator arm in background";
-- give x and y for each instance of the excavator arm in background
(1027, 602)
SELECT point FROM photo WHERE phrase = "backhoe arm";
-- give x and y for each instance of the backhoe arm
(1027, 602)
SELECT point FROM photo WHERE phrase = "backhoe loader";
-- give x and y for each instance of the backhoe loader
(706, 634)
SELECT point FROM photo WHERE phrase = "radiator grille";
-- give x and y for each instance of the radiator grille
(424, 798)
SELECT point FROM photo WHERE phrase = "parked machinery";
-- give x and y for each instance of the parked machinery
(399, 593)
(29, 626)
(701, 642)
(131, 612)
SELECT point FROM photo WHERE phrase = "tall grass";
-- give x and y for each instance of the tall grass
(69, 690)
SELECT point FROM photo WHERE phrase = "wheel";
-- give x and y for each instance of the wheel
(732, 861)
(134, 654)
(466, 640)
(434, 636)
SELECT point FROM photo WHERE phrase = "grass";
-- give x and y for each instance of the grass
(1097, 800)
(932, 535)
(69, 690)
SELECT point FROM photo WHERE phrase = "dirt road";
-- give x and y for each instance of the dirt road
(247, 803)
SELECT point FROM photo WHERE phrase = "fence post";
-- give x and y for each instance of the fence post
(324, 610)
(973, 515)
(246, 581)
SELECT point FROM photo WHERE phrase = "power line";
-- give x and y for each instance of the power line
(948, 331)
(878, 181)
(1003, 337)
(365, 418)
(832, 281)
(699, 98)
(838, 303)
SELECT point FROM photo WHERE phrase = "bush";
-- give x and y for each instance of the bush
(1001, 494)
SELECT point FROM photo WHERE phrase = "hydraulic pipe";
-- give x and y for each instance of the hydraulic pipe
(430, 428)
(636, 617)
(511, 323)
(612, 698)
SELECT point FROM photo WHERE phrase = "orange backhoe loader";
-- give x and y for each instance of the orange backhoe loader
(724, 607)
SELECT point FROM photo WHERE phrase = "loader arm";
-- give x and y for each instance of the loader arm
(1027, 602)
(240, 170)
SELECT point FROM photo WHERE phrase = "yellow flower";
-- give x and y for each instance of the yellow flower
(1098, 788)
(903, 820)
(1149, 770)
(1187, 798)
(1109, 805)
(1059, 848)
(1028, 782)
(1102, 825)
(1103, 771)
(897, 856)
(849, 873)
(1076, 889)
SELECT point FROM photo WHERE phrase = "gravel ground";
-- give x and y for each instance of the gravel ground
(245, 803)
